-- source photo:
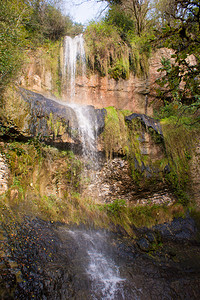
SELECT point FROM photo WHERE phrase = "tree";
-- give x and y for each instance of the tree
(162, 13)
(182, 80)
(12, 37)
(137, 9)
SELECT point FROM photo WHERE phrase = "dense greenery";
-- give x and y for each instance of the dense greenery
(46, 183)
(115, 47)
(181, 83)
(122, 42)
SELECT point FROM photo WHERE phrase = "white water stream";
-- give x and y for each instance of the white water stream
(74, 56)
(101, 269)
(74, 60)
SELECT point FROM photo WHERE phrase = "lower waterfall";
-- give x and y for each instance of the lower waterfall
(106, 282)
(100, 268)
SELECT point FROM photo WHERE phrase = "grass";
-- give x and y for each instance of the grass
(115, 133)
(46, 184)
(179, 140)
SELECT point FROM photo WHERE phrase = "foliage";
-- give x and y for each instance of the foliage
(151, 215)
(116, 207)
(12, 39)
(128, 216)
(140, 54)
(46, 21)
(179, 141)
(106, 49)
(121, 20)
(115, 133)
(138, 9)
(114, 49)
(181, 81)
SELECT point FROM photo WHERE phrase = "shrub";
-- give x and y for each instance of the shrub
(106, 49)
(116, 206)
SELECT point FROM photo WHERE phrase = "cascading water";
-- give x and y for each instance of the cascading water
(101, 270)
(87, 121)
(104, 274)
(74, 60)
(74, 56)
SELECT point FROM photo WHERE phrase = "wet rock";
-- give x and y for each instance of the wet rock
(53, 264)
(53, 119)
(178, 230)
(147, 121)
(144, 244)
(151, 237)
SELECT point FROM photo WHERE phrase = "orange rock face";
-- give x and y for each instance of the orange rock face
(135, 94)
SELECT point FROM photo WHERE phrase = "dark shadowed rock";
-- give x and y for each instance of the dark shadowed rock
(53, 119)
(51, 261)
(144, 244)
(147, 121)
(178, 230)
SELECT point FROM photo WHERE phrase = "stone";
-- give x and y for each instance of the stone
(4, 173)
(147, 121)
(144, 244)
(135, 94)
(151, 237)
(178, 230)
(52, 119)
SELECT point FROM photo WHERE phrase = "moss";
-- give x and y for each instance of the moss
(140, 55)
(128, 216)
(120, 69)
(127, 140)
(137, 160)
(11, 112)
(179, 142)
(57, 127)
(115, 133)
(50, 60)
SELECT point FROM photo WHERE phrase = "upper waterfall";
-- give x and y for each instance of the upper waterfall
(75, 64)
(74, 59)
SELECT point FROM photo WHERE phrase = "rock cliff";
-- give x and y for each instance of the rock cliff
(45, 74)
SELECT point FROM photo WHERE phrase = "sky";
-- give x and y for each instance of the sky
(83, 11)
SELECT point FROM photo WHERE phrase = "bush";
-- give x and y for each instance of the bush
(122, 21)
(106, 50)
(12, 40)
(116, 206)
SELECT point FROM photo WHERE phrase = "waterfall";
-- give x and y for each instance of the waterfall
(100, 267)
(75, 63)
(74, 58)
(87, 128)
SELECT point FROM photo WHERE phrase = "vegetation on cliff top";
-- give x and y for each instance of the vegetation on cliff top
(117, 45)
(121, 43)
